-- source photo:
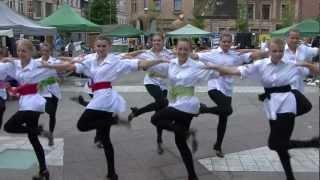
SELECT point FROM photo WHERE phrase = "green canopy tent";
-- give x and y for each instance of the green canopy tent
(67, 20)
(122, 31)
(188, 31)
(309, 27)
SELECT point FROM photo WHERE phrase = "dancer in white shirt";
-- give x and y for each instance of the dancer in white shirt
(183, 74)
(296, 52)
(220, 89)
(50, 90)
(100, 113)
(29, 73)
(155, 82)
(282, 103)
(4, 72)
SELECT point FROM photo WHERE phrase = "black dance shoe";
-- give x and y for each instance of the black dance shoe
(133, 113)
(112, 177)
(44, 175)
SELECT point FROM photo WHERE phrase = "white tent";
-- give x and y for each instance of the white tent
(8, 33)
(9, 19)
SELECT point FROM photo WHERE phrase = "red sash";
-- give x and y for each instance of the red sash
(25, 89)
(100, 85)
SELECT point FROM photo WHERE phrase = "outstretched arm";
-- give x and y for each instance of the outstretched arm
(133, 54)
(59, 67)
(314, 68)
(224, 70)
(145, 64)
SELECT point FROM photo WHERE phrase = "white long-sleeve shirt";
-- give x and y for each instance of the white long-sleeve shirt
(53, 89)
(165, 54)
(108, 70)
(275, 75)
(302, 53)
(5, 70)
(188, 74)
(230, 58)
(31, 74)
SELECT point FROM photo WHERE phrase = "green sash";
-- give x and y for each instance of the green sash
(156, 74)
(176, 91)
(45, 83)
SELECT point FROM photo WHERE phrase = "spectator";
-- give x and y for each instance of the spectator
(70, 48)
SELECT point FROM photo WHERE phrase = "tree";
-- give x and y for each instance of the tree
(103, 12)
(198, 21)
(242, 19)
(287, 18)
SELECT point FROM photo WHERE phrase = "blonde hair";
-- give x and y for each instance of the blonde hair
(25, 43)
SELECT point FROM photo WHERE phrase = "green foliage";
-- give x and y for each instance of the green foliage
(198, 22)
(103, 12)
(242, 19)
(288, 14)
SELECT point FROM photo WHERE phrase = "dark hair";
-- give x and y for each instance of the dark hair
(157, 34)
(293, 30)
(103, 37)
(188, 41)
(225, 34)
(45, 44)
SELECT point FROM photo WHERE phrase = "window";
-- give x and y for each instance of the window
(134, 6)
(157, 4)
(37, 8)
(11, 4)
(266, 11)
(222, 29)
(251, 11)
(29, 9)
(254, 30)
(284, 11)
(20, 7)
(177, 6)
(48, 9)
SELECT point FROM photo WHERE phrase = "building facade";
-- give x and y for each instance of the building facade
(122, 12)
(159, 15)
(263, 16)
(38, 9)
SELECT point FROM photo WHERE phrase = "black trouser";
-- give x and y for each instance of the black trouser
(223, 110)
(161, 101)
(27, 122)
(51, 109)
(85, 103)
(2, 109)
(178, 122)
(100, 121)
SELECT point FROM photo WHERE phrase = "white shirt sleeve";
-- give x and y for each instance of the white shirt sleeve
(245, 58)
(205, 56)
(311, 52)
(8, 68)
(144, 55)
(203, 74)
(250, 70)
(125, 66)
(84, 67)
